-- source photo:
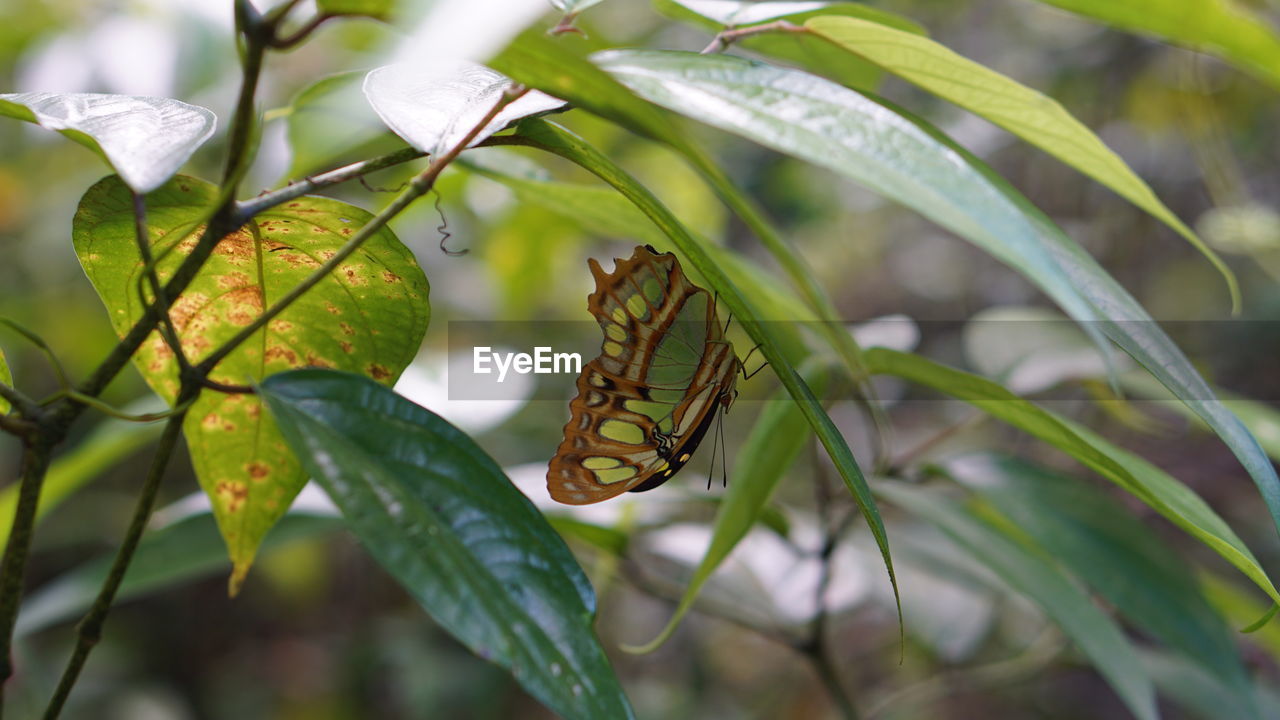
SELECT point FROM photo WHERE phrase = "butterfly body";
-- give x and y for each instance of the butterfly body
(646, 402)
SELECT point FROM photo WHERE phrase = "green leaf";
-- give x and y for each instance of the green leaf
(1148, 483)
(776, 439)
(144, 139)
(799, 48)
(435, 108)
(102, 449)
(1262, 419)
(1099, 541)
(1027, 113)
(381, 9)
(368, 317)
(187, 550)
(330, 121)
(6, 377)
(1203, 694)
(1033, 574)
(556, 140)
(905, 160)
(1220, 27)
(444, 520)
(537, 62)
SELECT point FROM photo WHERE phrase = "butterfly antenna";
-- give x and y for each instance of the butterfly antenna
(715, 441)
(724, 460)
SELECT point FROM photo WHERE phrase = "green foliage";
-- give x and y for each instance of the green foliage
(791, 254)
(1034, 575)
(367, 317)
(440, 515)
(1221, 27)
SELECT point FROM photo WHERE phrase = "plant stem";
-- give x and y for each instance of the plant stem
(727, 37)
(35, 461)
(247, 209)
(89, 631)
(418, 187)
(159, 298)
(19, 400)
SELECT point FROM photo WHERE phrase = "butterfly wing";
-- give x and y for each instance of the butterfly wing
(647, 400)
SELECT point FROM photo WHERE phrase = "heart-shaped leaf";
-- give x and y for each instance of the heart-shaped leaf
(368, 317)
(145, 139)
(440, 516)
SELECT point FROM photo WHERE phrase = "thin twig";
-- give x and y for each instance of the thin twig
(89, 631)
(168, 332)
(915, 453)
(247, 209)
(35, 461)
(727, 37)
(290, 41)
(418, 187)
(59, 372)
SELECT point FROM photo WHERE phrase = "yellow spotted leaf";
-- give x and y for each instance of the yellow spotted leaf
(368, 317)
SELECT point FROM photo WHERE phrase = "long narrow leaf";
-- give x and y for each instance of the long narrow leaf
(776, 439)
(1119, 557)
(1030, 115)
(1148, 483)
(881, 147)
(1093, 631)
(554, 139)
(445, 521)
(1225, 28)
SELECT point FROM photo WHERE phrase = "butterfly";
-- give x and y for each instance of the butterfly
(646, 402)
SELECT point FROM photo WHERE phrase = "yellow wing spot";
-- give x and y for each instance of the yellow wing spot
(615, 332)
(623, 432)
(596, 379)
(608, 477)
(594, 398)
(638, 307)
(685, 457)
(601, 463)
(619, 316)
(612, 349)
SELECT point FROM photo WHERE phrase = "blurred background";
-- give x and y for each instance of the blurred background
(321, 632)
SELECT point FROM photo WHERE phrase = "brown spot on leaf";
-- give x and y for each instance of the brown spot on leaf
(232, 493)
(346, 328)
(333, 309)
(281, 326)
(258, 471)
(378, 372)
(280, 352)
(314, 360)
(186, 307)
(233, 279)
(390, 277)
(211, 421)
(353, 274)
(346, 346)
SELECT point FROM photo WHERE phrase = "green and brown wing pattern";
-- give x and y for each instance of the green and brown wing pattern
(646, 402)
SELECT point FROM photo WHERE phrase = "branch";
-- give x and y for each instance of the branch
(247, 209)
(25, 406)
(89, 631)
(418, 187)
(160, 298)
(725, 38)
(35, 462)
(291, 40)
